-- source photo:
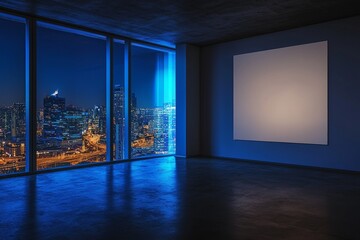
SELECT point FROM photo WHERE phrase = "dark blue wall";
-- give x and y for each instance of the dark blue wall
(187, 100)
(181, 100)
(343, 150)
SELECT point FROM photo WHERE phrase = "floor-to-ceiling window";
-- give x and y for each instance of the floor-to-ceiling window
(152, 101)
(88, 94)
(12, 94)
(71, 97)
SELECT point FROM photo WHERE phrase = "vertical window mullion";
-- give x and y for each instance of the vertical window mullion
(127, 96)
(30, 95)
(109, 99)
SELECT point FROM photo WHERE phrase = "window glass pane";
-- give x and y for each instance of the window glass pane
(12, 96)
(152, 101)
(71, 89)
(119, 100)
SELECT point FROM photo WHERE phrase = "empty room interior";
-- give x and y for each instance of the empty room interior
(179, 119)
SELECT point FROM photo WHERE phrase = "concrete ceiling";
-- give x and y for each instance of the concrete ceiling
(200, 22)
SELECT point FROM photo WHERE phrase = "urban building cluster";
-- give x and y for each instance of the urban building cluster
(12, 138)
(71, 135)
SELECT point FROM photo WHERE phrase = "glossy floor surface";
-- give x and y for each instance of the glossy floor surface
(169, 198)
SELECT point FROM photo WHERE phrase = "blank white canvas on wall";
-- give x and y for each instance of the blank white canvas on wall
(281, 95)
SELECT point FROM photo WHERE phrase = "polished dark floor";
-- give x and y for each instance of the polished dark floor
(169, 198)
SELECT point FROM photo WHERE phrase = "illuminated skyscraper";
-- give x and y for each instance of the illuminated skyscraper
(119, 121)
(99, 119)
(5, 123)
(160, 131)
(18, 120)
(74, 123)
(54, 108)
(170, 111)
(134, 117)
(164, 129)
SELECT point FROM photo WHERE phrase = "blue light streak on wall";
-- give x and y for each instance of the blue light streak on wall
(169, 83)
(165, 79)
(165, 96)
(169, 96)
(153, 82)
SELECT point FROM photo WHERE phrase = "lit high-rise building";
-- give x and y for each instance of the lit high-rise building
(40, 122)
(134, 118)
(164, 129)
(74, 123)
(119, 121)
(5, 123)
(54, 108)
(99, 119)
(170, 111)
(160, 131)
(18, 120)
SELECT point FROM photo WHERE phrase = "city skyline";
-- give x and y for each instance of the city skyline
(70, 135)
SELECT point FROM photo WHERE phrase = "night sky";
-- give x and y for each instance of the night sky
(12, 62)
(72, 63)
(143, 68)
